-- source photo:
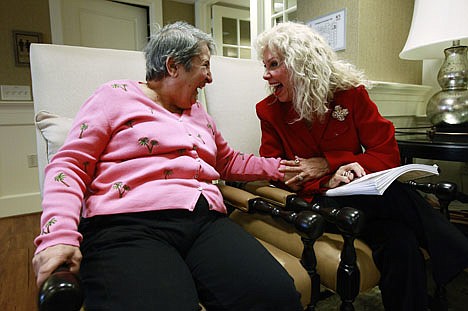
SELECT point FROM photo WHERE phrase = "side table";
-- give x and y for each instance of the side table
(420, 146)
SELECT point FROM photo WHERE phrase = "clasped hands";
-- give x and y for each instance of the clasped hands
(300, 170)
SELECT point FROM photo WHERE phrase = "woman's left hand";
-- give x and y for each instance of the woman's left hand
(345, 174)
(301, 170)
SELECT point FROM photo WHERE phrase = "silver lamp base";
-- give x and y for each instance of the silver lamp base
(450, 105)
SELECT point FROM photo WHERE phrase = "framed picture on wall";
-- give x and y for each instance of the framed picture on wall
(22, 42)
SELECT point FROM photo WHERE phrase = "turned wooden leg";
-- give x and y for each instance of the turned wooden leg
(304, 220)
(348, 275)
(350, 222)
(310, 226)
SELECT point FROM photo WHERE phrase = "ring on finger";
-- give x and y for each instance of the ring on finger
(345, 173)
(299, 177)
(297, 161)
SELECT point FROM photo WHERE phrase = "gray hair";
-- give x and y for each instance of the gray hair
(179, 41)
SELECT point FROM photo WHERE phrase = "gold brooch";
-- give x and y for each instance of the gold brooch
(339, 113)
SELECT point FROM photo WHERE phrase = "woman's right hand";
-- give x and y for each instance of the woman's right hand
(301, 170)
(48, 260)
(345, 174)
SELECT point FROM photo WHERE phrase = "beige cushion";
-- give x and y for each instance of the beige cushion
(237, 86)
(295, 270)
(54, 129)
(328, 251)
(327, 248)
(275, 232)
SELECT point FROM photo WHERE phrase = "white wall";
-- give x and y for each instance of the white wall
(19, 187)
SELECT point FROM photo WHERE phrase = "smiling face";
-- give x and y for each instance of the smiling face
(277, 76)
(186, 83)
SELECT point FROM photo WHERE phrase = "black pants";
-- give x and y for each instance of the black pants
(398, 223)
(171, 260)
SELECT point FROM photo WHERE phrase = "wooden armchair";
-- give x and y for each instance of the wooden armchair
(355, 270)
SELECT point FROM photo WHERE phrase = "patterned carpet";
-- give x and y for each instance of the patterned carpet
(457, 295)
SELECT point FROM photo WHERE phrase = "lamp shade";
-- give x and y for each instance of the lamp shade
(435, 24)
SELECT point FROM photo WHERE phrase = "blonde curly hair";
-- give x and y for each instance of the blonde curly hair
(316, 73)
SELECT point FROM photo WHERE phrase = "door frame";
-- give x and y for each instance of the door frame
(203, 17)
(219, 12)
(55, 11)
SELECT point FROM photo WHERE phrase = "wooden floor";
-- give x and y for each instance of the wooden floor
(18, 290)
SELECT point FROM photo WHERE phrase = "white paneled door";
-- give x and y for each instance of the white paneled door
(99, 23)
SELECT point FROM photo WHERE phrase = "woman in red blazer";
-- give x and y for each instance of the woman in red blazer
(320, 117)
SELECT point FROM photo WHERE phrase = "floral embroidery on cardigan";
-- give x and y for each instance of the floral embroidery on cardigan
(46, 228)
(211, 128)
(167, 173)
(121, 188)
(149, 144)
(60, 177)
(199, 136)
(130, 123)
(83, 127)
(122, 86)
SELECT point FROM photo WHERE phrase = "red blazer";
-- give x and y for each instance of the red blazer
(352, 131)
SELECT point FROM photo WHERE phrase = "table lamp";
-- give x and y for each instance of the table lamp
(440, 28)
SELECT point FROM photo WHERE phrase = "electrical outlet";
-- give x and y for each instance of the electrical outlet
(32, 160)
(15, 92)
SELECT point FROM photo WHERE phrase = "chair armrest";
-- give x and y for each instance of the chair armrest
(349, 221)
(445, 191)
(61, 291)
(308, 223)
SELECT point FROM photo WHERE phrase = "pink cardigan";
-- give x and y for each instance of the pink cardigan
(127, 154)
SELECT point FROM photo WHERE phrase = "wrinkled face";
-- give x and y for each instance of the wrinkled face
(277, 76)
(190, 82)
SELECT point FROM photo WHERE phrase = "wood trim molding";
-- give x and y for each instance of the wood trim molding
(16, 113)
(399, 99)
(20, 204)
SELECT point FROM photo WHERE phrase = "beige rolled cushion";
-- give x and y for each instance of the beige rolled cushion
(328, 251)
(276, 232)
(295, 270)
(327, 248)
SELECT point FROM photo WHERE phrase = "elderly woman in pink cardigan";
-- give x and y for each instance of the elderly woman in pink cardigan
(130, 203)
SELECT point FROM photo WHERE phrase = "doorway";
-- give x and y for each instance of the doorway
(231, 31)
(121, 24)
